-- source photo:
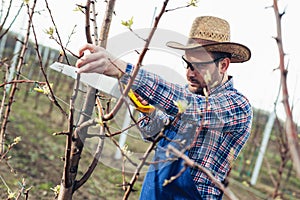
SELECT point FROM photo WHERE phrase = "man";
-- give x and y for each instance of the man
(215, 122)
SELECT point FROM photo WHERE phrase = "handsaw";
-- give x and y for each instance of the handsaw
(101, 82)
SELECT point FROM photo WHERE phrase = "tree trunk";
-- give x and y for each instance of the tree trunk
(65, 193)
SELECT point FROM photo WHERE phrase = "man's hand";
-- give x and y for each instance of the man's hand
(99, 61)
(141, 99)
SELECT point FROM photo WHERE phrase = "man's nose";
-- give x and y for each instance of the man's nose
(190, 72)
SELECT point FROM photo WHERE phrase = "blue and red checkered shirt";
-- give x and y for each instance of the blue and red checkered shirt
(218, 125)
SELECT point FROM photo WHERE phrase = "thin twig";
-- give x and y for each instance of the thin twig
(56, 30)
(45, 75)
(138, 65)
(22, 81)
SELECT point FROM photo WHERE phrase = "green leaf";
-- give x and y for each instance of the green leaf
(193, 3)
(127, 23)
(50, 31)
(78, 8)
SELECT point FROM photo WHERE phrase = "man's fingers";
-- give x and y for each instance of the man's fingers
(97, 66)
(98, 60)
(85, 47)
(94, 62)
(143, 101)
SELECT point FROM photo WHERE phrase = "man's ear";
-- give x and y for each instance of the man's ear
(224, 64)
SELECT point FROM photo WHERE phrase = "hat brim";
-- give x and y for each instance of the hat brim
(239, 53)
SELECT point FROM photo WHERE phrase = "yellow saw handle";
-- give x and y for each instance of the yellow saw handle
(139, 106)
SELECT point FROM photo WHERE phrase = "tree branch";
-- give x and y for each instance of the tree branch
(291, 130)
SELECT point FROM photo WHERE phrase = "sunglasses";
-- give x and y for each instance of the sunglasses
(200, 65)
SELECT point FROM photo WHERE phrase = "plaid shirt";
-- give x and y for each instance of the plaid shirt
(218, 126)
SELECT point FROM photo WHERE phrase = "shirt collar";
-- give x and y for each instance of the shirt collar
(225, 86)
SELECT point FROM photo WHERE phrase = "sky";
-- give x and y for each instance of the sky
(252, 24)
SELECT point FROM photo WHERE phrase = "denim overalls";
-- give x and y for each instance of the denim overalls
(182, 188)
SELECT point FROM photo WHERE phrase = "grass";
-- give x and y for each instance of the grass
(37, 158)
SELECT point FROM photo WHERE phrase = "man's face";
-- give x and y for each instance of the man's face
(205, 72)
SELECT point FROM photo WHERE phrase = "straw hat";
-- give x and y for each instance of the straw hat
(213, 34)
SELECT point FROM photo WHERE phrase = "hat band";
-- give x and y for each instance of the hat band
(193, 41)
